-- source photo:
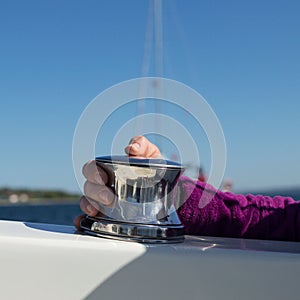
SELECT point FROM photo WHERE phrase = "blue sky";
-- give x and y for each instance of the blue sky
(241, 56)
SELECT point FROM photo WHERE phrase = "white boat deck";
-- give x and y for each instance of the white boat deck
(42, 261)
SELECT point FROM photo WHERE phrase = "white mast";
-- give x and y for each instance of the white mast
(153, 41)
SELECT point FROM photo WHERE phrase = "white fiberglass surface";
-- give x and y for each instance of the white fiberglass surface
(42, 261)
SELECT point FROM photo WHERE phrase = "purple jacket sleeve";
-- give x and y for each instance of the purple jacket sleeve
(207, 211)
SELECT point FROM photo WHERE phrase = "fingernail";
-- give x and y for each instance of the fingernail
(135, 145)
(90, 208)
(98, 178)
(106, 198)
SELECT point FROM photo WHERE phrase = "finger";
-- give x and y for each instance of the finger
(99, 193)
(94, 173)
(89, 207)
(141, 146)
(77, 220)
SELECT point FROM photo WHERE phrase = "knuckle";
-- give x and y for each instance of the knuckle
(87, 188)
(83, 203)
(86, 167)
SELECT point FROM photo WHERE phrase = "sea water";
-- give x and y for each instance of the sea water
(62, 214)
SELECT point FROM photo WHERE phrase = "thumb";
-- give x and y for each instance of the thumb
(142, 147)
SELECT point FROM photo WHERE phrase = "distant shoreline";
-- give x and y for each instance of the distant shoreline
(40, 201)
(293, 192)
(20, 196)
